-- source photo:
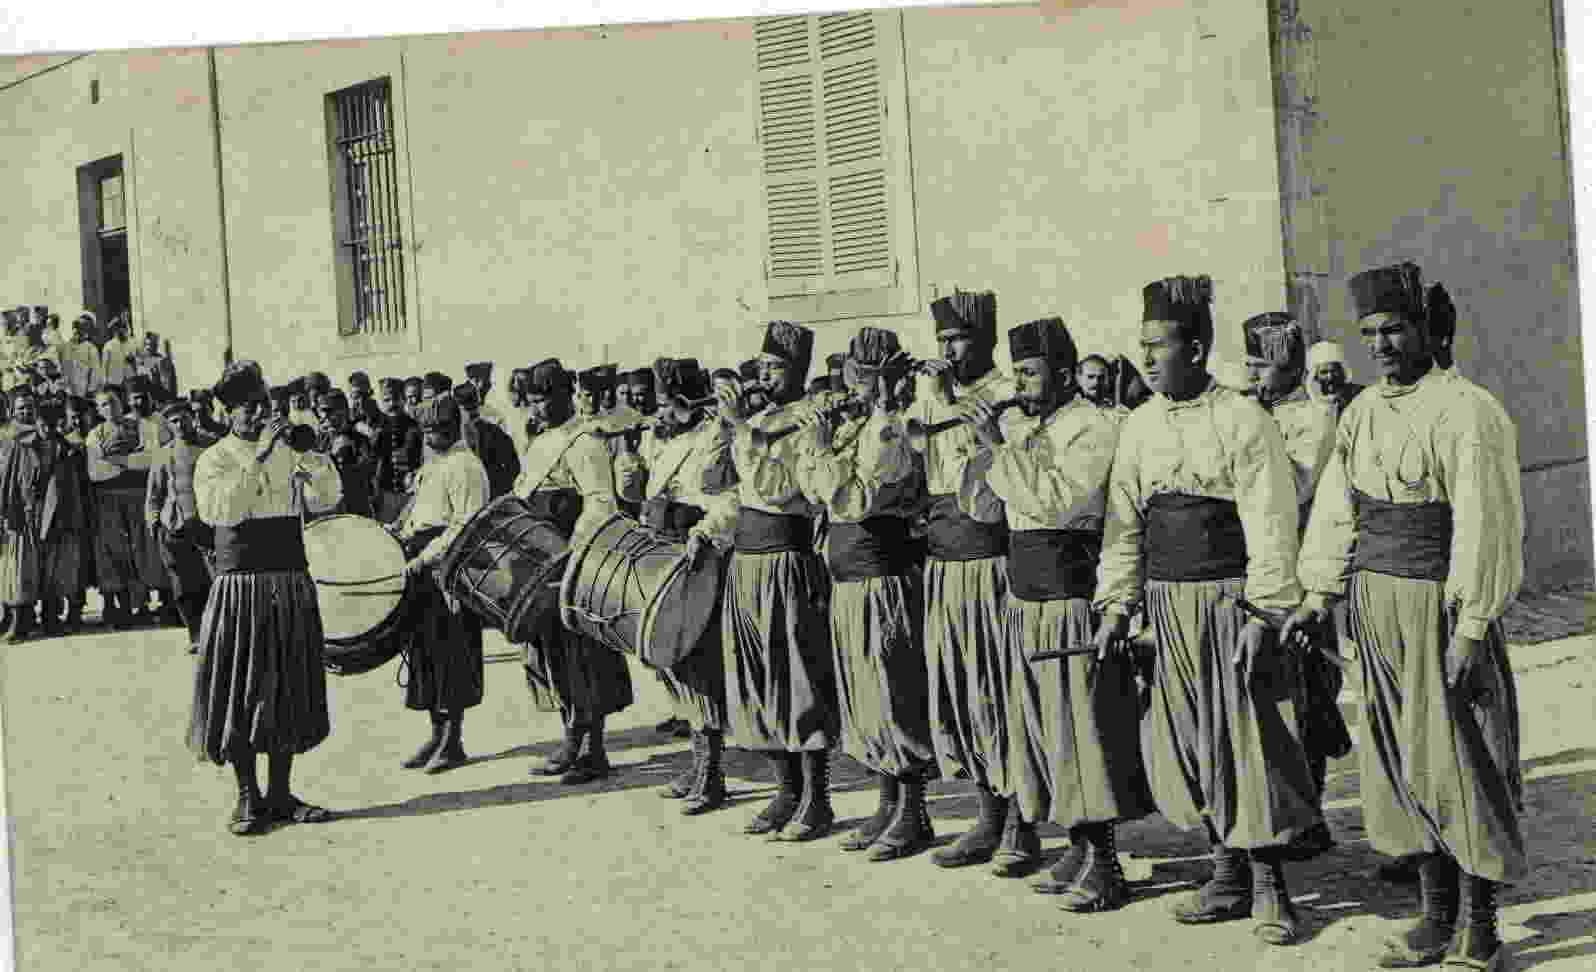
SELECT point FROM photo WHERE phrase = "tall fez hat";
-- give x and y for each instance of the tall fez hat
(680, 377)
(479, 369)
(440, 412)
(359, 379)
(549, 379)
(466, 395)
(872, 352)
(969, 313)
(792, 344)
(241, 381)
(1275, 338)
(1048, 339)
(437, 380)
(597, 380)
(1184, 300)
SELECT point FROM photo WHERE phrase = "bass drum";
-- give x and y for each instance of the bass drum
(505, 566)
(361, 588)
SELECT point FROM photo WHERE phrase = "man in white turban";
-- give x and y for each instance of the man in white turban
(1327, 377)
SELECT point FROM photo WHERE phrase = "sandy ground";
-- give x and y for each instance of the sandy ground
(121, 859)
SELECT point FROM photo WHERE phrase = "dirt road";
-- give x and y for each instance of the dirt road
(122, 860)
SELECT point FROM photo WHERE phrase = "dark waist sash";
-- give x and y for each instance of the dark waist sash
(1193, 538)
(950, 535)
(1411, 540)
(670, 518)
(563, 507)
(761, 532)
(1052, 565)
(269, 543)
(127, 479)
(877, 547)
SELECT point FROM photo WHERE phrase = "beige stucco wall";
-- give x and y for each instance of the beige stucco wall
(1458, 163)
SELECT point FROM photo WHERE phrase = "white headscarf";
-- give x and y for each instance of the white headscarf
(1322, 353)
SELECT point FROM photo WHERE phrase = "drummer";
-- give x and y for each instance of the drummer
(443, 645)
(678, 501)
(567, 478)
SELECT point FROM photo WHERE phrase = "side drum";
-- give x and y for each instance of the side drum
(361, 589)
(505, 567)
(635, 592)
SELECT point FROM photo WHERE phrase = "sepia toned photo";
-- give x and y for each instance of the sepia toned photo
(1091, 484)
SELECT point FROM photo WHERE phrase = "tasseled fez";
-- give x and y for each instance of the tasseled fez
(1048, 339)
(875, 352)
(963, 312)
(241, 382)
(466, 395)
(599, 381)
(479, 369)
(1187, 301)
(549, 379)
(680, 378)
(1275, 338)
(792, 344)
(1399, 289)
(438, 413)
(437, 382)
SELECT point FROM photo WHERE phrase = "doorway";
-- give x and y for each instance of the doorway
(102, 216)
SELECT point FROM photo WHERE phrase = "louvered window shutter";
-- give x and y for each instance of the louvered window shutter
(822, 121)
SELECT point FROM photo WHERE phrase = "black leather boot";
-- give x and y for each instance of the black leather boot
(557, 762)
(815, 816)
(1477, 945)
(249, 816)
(1060, 878)
(979, 843)
(1427, 941)
(451, 750)
(886, 811)
(785, 803)
(910, 830)
(682, 783)
(1100, 884)
(430, 746)
(1226, 897)
(593, 763)
(709, 786)
(1020, 851)
(1274, 919)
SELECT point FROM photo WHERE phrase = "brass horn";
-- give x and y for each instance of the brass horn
(920, 434)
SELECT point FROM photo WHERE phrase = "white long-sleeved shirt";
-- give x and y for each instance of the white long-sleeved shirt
(231, 487)
(676, 474)
(115, 368)
(1221, 445)
(869, 470)
(948, 454)
(1435, 441)
(768, 475)
(80, 366)
(1052, 473)
(1309, 430)
(568, 458)
(450, 488)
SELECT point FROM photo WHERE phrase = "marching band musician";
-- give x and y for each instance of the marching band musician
(260, 686)
(1276, 365)
(678, 502)
(865, 475)
(442, 644)
(1201, 523)
(567, 477)
(1072, 721)
(966, 584)
(1418, 522)
(780, 686)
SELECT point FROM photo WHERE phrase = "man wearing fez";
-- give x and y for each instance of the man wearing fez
(120, 451)
(966, 584)
(399, 451)
(637, 392)
(443, 643)
(150, 363)
(172, 512)
(1276, 363)
(1419, 525)
(1072, 720)
(1327, 378)
(595, 389)
(681, 497)
(435, 383)
(780, 685)
(260, 685)
(863, 472)
(1201, 526)
(352, 454)
(364, 410)
(567, 478)
(491, 443)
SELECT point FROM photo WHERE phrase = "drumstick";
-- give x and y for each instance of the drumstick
(1081, 649)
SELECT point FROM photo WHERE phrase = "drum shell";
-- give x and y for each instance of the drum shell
(633, 591)
(362, 622)
(502, 566)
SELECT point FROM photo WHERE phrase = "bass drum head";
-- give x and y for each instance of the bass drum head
(358, 569)
(681, 612)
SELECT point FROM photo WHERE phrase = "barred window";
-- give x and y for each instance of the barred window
(371, 261)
